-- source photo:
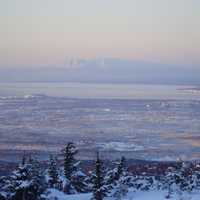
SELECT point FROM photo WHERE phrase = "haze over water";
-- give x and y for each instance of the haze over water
(102, 91)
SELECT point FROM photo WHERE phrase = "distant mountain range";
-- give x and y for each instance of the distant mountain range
(106, 70)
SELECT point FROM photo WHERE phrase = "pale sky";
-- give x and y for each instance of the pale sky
(47, 32)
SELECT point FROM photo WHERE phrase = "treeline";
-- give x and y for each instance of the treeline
(31, 181)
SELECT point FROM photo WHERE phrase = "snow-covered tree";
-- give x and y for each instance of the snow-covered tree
(4, 185)
(53, 173)
(121, 189)
(196, 176)
(26, 182)
(117, 180)
(69, 153)
(38, 184)
(99, 189)
(169, 182)
(70, 167)
(20, 183)
(79, 179)
(186, 180)
(121, 168)
(179, 179)
(113, 175)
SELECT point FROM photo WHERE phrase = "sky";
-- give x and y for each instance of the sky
(43, 33)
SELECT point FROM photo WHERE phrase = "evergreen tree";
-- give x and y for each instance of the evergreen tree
(79, 180)
(121, 189)
(38, 184)
(186, 182)
(121, 180)
(20, 183)
(70, 167)
(53, 172)
(197, 176)
(113, 175)
(169, 182)
(25, 183)
(23, 159)
(99, 191)
(121, 168)
(179, 179)
(69, 161)
(3, 188)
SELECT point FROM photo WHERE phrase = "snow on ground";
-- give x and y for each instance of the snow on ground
(55, 194)
(150, 195)
(160, 195)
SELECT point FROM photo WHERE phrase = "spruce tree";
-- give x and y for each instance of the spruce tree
(99, 191)
(197, 176)
(121, 189)
(37, 179)
(4, 185)
(69, 161)
(113, 175)
(169, 182)
(120, 168)
(53, 172)
(70, 167)
(25, 183)
(121, 180)
(79, 180)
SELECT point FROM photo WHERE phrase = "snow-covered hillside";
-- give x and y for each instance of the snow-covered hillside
(152, 195)
(67, 179)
